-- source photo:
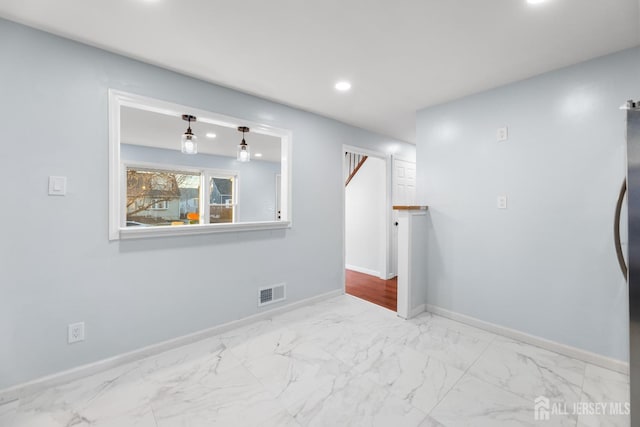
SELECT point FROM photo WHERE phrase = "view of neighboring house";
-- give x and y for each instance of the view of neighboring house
(221, 200)
(160, 197)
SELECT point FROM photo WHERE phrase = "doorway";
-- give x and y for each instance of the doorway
(367, 228)
(373, 289)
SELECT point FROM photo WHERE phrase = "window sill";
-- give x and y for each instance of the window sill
(189, 230)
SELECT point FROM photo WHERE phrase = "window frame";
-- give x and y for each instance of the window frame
(213, 173)
(117, 171)
(205, 175)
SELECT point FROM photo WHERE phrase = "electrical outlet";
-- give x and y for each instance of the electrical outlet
(502, 202)
(502, 134)
(76, 332)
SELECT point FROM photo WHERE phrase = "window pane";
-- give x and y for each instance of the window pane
(218, 214)
(162, 197)
(221, 191)
(221, 200)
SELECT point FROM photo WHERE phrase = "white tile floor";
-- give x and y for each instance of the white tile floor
(342, 362)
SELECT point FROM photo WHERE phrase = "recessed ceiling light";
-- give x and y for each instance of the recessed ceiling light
(343, 86)
(536, 1)
(258, 154)
(210, 135)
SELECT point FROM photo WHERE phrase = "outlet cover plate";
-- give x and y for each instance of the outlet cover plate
(76, 332)
(501, 202)
(502, 134)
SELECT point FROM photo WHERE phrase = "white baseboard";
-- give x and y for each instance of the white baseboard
(574, 352)
(15, 392)
(414, 312)
(417, 310)
(362, 270)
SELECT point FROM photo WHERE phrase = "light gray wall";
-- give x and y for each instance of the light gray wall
(57, 265)
(257, 179)
(546, 265)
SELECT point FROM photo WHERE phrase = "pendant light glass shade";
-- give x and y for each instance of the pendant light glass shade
(244, 154)
(189, 144)
(189, 140)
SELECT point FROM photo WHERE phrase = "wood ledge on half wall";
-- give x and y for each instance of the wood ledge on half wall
(409, 208)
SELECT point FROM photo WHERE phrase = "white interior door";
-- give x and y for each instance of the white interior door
(404, 182)
(403, 192)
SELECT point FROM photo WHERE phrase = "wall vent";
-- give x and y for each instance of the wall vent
(271, 294)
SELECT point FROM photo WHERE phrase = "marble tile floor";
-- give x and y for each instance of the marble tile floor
(341, 362)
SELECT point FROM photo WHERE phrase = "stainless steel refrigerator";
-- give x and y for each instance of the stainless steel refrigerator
(632, 189)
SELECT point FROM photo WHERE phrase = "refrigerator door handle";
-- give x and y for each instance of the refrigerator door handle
(616, 230)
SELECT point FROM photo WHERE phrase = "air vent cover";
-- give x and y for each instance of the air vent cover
(271, 294)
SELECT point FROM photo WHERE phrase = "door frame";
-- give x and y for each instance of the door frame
(387, 158)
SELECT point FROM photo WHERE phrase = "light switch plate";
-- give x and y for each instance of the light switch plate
(502, 134)
(57, 185)
(502, 202)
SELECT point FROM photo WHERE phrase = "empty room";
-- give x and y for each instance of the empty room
(320, 213)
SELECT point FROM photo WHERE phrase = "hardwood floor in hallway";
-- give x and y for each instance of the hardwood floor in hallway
(373, 289)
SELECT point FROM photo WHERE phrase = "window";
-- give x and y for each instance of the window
(167, 197)
(221, 200)
(159, 205)
(154, 189)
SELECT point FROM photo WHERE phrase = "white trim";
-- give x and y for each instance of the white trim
(277, 215)
(417, 310)
(177, 168)
(205, 197)
(286, 182)
(405, 276)
(189, 230)
(64, 377)
(574, 352)
(389, 218)
(365, 151)
(115, 189)
(363, 270)
(117, 99)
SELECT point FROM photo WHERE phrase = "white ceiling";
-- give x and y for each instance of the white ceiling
(400, 55)
(150, 129)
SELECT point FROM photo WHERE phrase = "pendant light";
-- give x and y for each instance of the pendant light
(189, 140)
(244, 154)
